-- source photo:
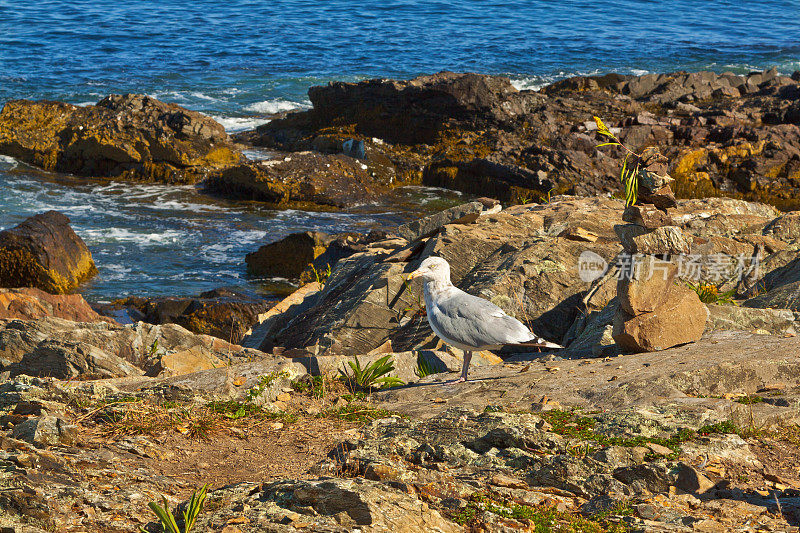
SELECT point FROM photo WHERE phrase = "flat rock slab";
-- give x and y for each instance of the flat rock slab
(677, 384)
(427, 226)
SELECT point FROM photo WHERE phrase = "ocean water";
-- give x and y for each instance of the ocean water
(243, 60)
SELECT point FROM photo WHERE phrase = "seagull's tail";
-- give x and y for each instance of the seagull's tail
(537, 342)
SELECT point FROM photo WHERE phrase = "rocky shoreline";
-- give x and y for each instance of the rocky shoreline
(98, 418)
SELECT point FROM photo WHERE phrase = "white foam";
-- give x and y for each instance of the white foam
(533, 83)
(8, 160)
(639, 71)
(97, 236)
(201, 96)
(277, 105)
(234, 124)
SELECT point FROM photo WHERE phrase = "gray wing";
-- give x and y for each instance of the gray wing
(473, 321)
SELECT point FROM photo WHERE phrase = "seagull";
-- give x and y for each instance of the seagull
(467, 322)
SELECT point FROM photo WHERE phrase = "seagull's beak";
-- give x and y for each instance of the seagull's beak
(413, 275)
(417, 273)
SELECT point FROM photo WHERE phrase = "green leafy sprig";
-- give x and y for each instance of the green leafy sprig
(628, 176)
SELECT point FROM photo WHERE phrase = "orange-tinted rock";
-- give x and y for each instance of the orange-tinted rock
(32, 303)
(44, 252)
(648, 287)
(681, 319)
(664, 240)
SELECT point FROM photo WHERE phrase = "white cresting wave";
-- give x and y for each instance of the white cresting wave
(277, 105)
(96, 236)
(237, 124)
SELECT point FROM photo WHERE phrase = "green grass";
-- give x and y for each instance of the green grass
(749, 400)
(314, 386)
(357, 412)
(720, 427)
(572, 425)
(235, 410)
(541, 518)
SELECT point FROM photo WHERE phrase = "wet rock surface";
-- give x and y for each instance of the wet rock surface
(223, 313)
(127, 136)
(299, 180)
(723, 134)
(44, 252)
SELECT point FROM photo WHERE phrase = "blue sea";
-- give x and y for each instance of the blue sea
(242, 60)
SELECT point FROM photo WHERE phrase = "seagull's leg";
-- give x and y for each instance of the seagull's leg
(464, 369)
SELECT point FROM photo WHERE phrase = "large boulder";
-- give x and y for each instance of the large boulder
(288, 257)
(679, 320)
(44, 252)
(414, 111)
(127, 136)
(300, 180)
(31, 303)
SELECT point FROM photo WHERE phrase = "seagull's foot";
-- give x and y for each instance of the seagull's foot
(462, 379)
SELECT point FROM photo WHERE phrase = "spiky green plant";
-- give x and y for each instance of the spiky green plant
(628, 176)
(426, 368)
(710, 293)
(190, 513)
(372, 376)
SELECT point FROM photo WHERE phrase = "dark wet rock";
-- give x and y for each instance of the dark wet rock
(224, 313)
(44, 252)
(288, 257)
(414, 111)
(508, 182)
(304, 179)
(126, 136)
(722, 134)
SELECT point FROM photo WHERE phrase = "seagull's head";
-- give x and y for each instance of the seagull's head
(433, 269)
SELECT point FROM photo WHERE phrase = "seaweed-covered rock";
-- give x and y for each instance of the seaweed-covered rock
(724, 135)
(129, 136)
(305, 180)
(44, 252)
